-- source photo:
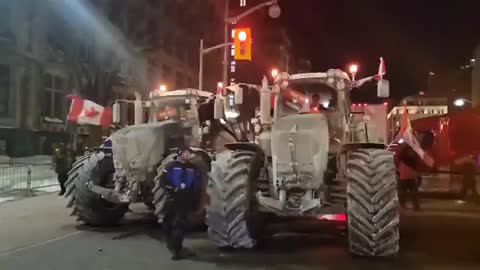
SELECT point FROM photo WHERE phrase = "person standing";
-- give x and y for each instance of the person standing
(182, 180)
(409, 173)
(468, 168)
(63, 159)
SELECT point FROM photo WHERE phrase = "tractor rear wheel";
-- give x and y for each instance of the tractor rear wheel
(89, 207)
(159, 193)
(230, 192)
(372, 203)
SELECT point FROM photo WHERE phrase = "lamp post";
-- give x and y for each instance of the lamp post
(163, 88)
(274, 12)
(274, 73)
(353, 70)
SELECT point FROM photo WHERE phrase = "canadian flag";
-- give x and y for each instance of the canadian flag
(406, 134)
(382, 70)
(83, 111)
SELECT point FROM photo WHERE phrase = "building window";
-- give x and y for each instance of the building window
(55, 104)
(4, 88)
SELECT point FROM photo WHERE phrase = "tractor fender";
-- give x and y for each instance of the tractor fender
(203, 155)
(247, 146)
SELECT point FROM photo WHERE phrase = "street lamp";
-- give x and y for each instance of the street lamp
(274, 73)
(219, 87)
(460, 102)
(274, 11)
(353, 70)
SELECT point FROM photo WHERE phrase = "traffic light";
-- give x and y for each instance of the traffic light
(243, 44)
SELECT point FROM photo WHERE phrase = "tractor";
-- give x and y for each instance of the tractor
(126, 168)
(312, 156)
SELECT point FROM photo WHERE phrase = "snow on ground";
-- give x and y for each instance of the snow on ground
(7, 199)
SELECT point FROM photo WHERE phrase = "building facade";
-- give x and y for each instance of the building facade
(33, 80)
(100, 49)
(417, 107)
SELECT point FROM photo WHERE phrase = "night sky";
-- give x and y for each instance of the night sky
(414, 37)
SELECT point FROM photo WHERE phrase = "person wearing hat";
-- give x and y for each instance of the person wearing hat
(182, 180)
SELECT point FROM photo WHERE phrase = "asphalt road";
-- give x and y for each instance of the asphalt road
(37, 234)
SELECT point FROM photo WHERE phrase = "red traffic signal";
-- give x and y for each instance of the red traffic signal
(243, 44)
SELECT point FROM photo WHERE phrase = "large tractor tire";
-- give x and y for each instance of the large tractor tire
(89, 207)
(159, 194)
(228, 212)
(372, 203)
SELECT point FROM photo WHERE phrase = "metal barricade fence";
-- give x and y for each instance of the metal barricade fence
(25, 177)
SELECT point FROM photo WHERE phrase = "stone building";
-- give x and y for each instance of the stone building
(99, 49)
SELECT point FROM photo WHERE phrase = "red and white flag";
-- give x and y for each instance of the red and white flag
(406, 133)
(382, 70)
(83, 111)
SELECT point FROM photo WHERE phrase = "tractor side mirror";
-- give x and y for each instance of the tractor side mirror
(116, 113)
(218, 109)
(239, 96)
(383, 88)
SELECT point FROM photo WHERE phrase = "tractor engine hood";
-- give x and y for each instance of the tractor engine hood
(300, 145)
(139, 149)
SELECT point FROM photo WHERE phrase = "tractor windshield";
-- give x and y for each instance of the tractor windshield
(307, 97)
(172, 108)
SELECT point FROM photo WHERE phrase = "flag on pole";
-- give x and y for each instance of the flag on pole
(406, 133)
(382, 70)
(84, 111)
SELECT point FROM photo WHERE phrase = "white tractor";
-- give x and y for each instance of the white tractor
(313, 156)
(126, 168)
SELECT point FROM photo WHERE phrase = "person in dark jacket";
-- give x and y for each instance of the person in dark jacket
(409, 168)
(63, 159)
(468, 168)
(182, 179)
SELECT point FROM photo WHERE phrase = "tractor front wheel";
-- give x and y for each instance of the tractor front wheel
(89, 207)
(372, 203)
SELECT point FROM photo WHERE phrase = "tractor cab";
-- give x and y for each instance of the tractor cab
(180, 105)
(307, 97)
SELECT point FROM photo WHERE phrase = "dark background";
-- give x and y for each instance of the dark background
(414, 37)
